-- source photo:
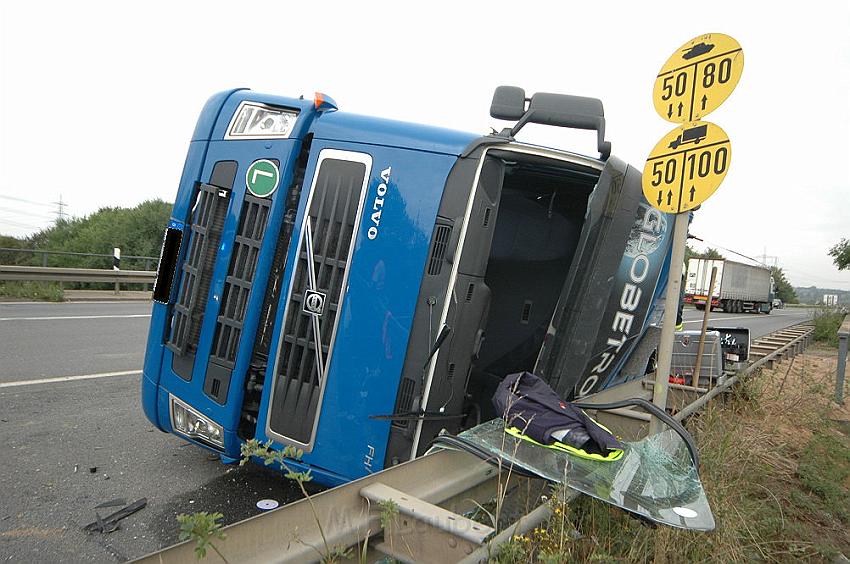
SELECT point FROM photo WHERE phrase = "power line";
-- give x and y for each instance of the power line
(18, 224)
(812, 276)
(21, 212)
(734, 252)
(26, 201)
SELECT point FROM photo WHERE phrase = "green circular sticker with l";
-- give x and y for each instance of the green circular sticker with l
(262, 178)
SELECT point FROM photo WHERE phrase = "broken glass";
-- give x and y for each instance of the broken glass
(656, 477)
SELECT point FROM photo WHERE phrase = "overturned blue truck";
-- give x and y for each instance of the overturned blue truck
(351, 285)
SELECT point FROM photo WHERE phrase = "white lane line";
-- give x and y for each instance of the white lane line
(68, 378)
(720, 319)
(716, 319)
(74, 317)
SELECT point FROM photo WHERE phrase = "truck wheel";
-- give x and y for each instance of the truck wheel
(700, 307)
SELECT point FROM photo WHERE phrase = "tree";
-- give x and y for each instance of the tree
(136, 231)
(12, 257)
(784, 290)
(840, 254)
(712, 254)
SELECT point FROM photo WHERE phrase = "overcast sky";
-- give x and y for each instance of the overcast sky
(98, 100)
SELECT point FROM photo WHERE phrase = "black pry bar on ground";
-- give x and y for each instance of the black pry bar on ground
(110, 523)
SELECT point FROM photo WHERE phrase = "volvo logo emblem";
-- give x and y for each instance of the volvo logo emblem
(314, 303)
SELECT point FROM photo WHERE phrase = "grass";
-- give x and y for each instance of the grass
(776, 470)
(40, 291)
(826, 326)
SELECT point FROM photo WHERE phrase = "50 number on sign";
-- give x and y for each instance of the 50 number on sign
(698, 78)
(686, 166)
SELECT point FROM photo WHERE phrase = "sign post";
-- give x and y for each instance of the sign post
(671, 303)
(701, 347)
(689, 163)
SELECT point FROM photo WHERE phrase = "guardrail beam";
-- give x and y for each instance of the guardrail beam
(52, 274)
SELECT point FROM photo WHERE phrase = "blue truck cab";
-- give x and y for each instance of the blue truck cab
(352, 286)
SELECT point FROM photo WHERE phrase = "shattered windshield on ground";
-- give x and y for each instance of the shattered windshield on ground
(656, 477)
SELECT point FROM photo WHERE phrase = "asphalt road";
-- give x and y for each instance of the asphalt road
(759, 325)
(69, 445)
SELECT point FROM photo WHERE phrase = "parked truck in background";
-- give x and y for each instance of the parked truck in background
(738, 287)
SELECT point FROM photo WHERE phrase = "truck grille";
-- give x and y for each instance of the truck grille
(240, 276)
(317, 286)
(234, 298)
(207, 222)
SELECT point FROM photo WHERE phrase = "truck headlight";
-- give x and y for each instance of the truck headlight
(190, 423)
(258, 121)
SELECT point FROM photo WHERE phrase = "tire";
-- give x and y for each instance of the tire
(700, 307)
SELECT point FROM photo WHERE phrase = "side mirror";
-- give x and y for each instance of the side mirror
(562, 110)
(508, 103)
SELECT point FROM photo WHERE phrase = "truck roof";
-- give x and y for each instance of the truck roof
(343, 126)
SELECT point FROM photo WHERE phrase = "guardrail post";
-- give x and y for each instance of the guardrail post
(148, 267)
(116, 265)
(44, 259)
(843, 335)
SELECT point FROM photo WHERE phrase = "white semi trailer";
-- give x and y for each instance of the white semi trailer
(738, 287)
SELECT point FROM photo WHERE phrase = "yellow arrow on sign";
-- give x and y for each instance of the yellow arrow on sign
(698, 77)
(686, 166)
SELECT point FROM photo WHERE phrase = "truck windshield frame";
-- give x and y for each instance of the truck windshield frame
(511, 147)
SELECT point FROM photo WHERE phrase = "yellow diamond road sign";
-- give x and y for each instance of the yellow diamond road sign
(698, 77)
(686, 166)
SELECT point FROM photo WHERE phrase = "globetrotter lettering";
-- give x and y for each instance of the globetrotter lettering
(378, 204)
(643, 241)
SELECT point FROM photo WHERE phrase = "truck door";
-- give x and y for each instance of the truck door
(612, 289)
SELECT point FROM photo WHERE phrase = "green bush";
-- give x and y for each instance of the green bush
(826, 327)
(41, 291)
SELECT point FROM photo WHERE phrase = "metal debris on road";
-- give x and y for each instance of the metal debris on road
(110, 523)
(112, 503)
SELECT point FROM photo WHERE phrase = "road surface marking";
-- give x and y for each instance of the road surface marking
(722, 319)
(68, 378)
(751, 316)
(74, 317)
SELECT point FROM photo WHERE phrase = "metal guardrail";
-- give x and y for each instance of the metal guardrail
(45, 254)
(796, 343)
(843, 336)
(51, 274)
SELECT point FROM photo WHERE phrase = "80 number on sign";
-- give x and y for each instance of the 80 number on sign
(686, 167)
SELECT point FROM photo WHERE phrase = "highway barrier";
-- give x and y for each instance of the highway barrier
(52, 274)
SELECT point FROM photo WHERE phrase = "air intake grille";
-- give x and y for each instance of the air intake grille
(320, 273)
(207, 222)
(240, 276)
(405, 401)
(438, 251)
